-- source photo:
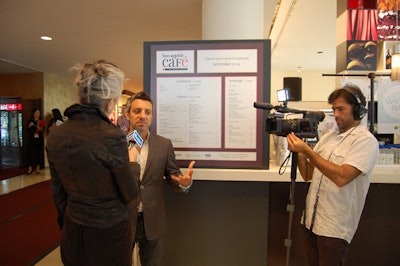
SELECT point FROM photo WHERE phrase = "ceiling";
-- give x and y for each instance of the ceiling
(115, 30)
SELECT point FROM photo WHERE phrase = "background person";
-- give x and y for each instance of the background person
(94, 178)
(122, 120)
(339, 168)
(56, 119)
(157, 160)
(36, 127)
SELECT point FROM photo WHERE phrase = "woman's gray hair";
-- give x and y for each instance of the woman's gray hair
(98, 82)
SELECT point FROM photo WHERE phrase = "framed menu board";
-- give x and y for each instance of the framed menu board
(203, 94)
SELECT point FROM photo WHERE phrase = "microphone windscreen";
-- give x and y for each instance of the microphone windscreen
(262, 105)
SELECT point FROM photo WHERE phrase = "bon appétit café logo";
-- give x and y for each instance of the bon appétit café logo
(175, 62)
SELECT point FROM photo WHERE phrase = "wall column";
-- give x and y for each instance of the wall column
(233, 19)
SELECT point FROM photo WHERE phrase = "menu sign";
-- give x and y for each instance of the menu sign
(203, 94)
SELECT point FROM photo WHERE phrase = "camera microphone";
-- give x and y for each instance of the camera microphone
(278, 108)
(318, 115)
(262, 105)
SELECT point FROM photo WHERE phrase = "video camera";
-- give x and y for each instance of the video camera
(305, 127)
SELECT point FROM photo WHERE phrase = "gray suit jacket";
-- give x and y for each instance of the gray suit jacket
(161, 163)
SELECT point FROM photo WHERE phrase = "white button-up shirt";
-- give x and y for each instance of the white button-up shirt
(339, 208)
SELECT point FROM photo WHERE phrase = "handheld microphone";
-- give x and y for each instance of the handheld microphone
(134, 138)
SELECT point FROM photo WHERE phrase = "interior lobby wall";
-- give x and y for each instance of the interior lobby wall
(59, 92)
(26, 86)
(315, 87)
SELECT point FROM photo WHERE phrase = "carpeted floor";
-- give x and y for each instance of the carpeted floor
(28, 226)
(11, 172)
(24, 200)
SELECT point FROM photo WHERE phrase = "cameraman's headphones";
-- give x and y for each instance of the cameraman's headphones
(359, 110)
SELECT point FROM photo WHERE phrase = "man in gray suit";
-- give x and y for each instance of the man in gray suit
(157, 160)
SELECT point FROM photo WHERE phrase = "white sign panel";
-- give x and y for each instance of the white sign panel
(173, 62)
(388, 107)
(240, 117)
(216, 156)
(189, 111)
(227, 61)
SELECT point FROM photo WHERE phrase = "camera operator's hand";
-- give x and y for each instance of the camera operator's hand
(296, 144)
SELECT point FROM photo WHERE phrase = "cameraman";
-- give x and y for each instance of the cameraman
(339, 168)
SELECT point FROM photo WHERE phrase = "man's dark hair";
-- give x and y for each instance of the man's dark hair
(142, 95)
(353, 96)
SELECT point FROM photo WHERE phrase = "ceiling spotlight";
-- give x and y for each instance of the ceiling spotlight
(299, 68)
(46, 38)
(320, 52)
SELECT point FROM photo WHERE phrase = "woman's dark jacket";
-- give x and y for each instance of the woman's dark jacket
(92, 180)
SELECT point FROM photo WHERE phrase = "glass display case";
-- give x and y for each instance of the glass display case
(11, 126)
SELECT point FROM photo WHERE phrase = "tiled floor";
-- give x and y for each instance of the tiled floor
(52, 259)
(18, 182)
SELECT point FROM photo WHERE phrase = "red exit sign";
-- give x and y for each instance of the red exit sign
(11, 106)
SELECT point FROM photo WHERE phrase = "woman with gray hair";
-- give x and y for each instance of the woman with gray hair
(93, 175)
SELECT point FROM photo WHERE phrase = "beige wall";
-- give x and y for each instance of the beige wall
(315, 87)
(59, 92)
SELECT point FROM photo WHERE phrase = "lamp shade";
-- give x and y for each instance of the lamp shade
(395, 75)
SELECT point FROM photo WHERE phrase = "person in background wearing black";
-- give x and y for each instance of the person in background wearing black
(94, 178)
(340, 168)
(157, 160)
(36, 127)
(56, 119)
